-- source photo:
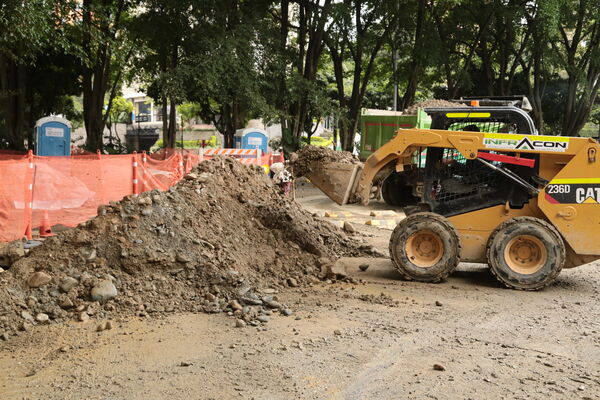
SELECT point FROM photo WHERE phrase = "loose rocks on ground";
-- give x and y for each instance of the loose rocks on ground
(208, 244)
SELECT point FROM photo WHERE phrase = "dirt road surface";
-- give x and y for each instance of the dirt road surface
(379, 339)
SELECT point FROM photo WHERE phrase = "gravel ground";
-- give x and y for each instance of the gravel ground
(381, 338)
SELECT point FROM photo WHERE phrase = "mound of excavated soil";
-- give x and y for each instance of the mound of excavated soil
(301, 160)
(211, 243)
(412, 110)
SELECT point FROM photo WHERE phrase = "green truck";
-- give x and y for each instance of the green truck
(377, 127)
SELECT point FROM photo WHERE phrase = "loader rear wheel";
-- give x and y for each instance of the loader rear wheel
(425, 247)
(526, 253)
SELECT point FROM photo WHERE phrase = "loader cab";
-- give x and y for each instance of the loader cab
(446, 183)
(483, 119)
(452, 185)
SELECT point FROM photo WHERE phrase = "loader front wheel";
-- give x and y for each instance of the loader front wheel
(425, 247)
(526, 253)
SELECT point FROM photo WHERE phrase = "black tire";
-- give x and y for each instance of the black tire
(433, 266)
(541, 260)
(396, 192)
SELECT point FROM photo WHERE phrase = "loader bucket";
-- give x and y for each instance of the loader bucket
(336, 180)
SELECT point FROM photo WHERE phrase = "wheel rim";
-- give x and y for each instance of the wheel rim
(525, 254)
(424, 249)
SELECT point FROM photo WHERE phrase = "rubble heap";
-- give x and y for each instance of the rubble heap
(302, 160)
(412, 110)
(218, 241)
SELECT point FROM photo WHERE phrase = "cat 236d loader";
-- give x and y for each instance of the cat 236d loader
(525, 204)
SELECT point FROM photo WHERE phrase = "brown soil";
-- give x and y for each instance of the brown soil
(223, 233)
(412, 110)
(382, 339)
(302, 160)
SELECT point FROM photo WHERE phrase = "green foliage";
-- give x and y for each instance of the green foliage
(293, 62)
(188, 112)
(120, 111)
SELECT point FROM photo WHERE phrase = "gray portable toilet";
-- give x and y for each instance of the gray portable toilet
(53, 137)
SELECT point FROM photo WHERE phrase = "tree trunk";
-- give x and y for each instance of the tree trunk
(170, 137)
(13, 85)
(93, 102)
(164, 111)
(415, 63)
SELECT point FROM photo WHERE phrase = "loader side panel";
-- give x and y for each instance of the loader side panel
(571, 200)
(475, 227)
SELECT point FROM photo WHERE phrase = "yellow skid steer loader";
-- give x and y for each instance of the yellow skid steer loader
(525, 204)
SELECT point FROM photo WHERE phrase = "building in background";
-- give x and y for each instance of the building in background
(142, 104)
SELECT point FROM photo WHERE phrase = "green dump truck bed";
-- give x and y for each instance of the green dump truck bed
(377, 127)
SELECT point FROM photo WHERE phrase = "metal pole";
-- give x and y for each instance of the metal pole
(395, 67)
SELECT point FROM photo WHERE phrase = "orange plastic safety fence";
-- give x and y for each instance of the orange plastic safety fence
(68, 190)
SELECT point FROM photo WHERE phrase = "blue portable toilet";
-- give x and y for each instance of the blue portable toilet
(53, 137)
(251, 138)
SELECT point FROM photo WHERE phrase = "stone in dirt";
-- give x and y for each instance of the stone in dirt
(38, 279)
(263, 318)
(104, 291)
(183, 258)
(336, 270)
(103, 326)
(363, 267)
(64, 302)
(438, 303)
(234, 305)
(210, 297)
(11, 252)
(30, 244)
(439, 367)
(239, 323)
(42, 318)
(269, 302)
(68, 283)
(27, 316)
(348, 227)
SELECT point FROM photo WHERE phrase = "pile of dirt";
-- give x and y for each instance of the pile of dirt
(302, 160)
(222, 240)
(412, 110)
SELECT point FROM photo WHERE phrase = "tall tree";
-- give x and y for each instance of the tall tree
(418, 55)
(542, 22)
(578, 52)
(460, 27)
(297, 49)
(226, 63)
(26, 28)
(100, 30)
(502, 45)
(360, 29)
(164, 29)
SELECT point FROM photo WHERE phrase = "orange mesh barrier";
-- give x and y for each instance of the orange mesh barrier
(69, 189)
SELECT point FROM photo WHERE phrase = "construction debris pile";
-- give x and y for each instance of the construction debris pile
(412, 110)
(302, 160)
(222, 240)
